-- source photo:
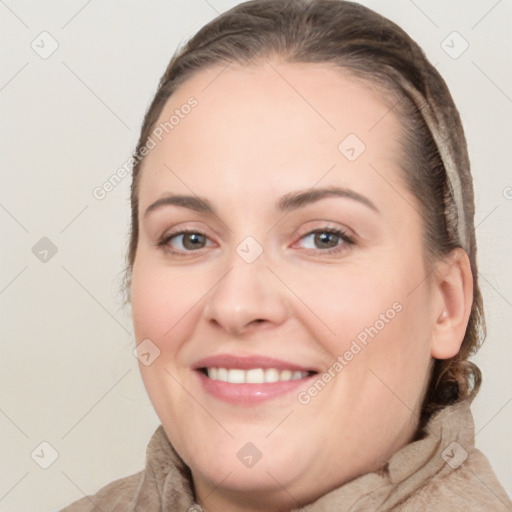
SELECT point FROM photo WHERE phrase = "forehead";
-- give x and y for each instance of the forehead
(267, 126)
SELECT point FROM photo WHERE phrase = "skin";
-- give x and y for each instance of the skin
(251, 139)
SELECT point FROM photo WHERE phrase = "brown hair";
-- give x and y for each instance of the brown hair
(375, 50)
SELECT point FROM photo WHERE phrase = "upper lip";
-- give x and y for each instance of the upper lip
(248, 362)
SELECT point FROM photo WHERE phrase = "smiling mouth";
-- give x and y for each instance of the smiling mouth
(254, 375)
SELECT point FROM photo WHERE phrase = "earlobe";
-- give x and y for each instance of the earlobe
(455, 290)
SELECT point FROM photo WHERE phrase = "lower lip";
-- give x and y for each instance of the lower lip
(249, 394)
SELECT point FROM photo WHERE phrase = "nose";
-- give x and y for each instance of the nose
(248, 295)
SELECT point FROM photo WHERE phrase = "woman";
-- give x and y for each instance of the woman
(302, 273)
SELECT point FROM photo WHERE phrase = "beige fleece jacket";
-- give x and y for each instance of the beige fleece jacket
(443, 471)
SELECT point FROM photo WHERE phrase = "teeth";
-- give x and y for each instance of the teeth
(236, 376)
(271, 375)
(222, 374)
(254, 376)
(286, 375)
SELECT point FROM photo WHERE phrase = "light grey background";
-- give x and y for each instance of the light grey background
(69, 121)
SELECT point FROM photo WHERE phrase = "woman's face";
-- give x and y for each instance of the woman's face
(265, 289)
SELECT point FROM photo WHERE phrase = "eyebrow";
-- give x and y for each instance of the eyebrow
(288, 202)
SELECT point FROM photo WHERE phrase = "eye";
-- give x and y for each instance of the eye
(328, 240)
(184, 241)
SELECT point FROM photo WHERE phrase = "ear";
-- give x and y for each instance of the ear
(453, 288)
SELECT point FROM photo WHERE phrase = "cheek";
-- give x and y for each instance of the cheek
(345, 303)
(398, 355)
(163, 301)
(373, 320)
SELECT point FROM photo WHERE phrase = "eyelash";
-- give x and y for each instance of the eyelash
(345, 238)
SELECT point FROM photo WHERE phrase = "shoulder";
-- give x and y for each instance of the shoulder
(116, 496)
(466, 484)
(163, 480)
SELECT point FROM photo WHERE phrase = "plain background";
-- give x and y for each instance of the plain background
(69, 121)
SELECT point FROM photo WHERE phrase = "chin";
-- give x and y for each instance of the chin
(243, 466)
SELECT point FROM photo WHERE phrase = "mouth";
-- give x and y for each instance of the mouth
(248, 380)
(254, 375)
